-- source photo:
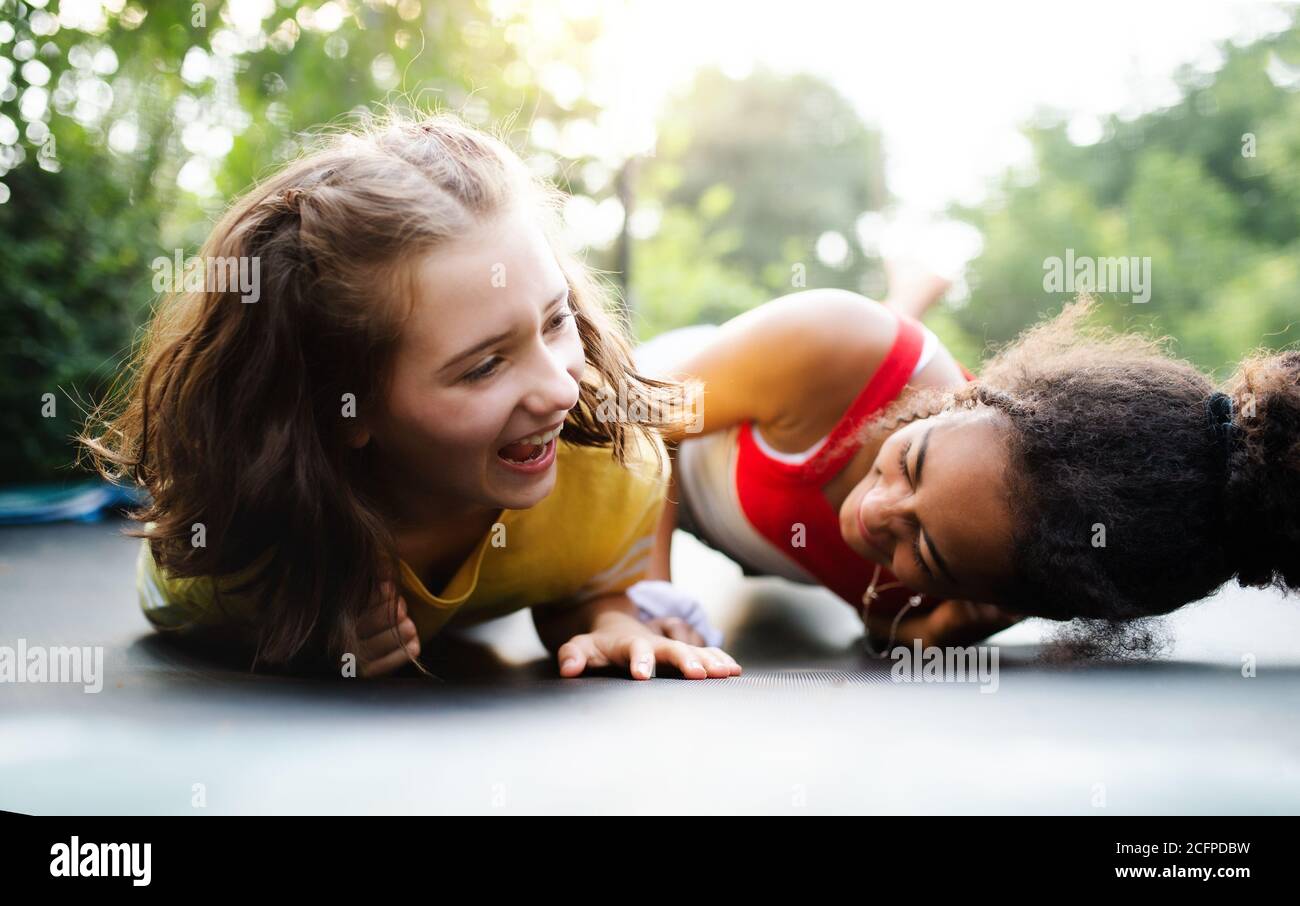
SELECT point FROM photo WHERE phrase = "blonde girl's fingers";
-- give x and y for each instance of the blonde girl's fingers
(709, 663)
(391, 661)
(685, 658)
(370, 624)
(714, 663)
(579, 653)
(375, 617)
(378, 646)
(382, 614)
(726, 659)
(571, 658)
(681, 631)
(677, 629)
(658, 624)
(405, 632)
(639, 656)
(717, 664)
(390, 638)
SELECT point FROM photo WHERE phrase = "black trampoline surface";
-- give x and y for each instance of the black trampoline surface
(812, 726)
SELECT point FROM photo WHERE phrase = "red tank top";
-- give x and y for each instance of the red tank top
(776, 495)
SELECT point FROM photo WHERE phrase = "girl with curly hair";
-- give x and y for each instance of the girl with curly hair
(1083, 474)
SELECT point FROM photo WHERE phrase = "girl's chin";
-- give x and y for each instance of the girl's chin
(532, 493)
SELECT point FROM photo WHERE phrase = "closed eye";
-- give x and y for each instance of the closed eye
(916, 538)
(916, 552)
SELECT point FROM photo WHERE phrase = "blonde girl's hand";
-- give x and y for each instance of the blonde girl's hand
(639, 649)
(384, 648)
(677, 629)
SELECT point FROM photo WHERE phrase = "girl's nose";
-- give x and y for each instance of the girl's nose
(882, 505)
(554, 388)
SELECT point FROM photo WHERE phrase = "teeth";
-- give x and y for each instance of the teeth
(541, 438)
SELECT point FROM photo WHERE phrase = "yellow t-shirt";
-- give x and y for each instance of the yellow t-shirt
(591, 535)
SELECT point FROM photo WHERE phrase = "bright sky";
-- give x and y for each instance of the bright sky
(948, 83)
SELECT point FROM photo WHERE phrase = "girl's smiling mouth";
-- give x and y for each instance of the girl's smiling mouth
(533, 452)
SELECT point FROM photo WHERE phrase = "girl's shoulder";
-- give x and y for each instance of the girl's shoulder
(824, 346)
(787, 363)
(590, 478)
(593, 531)
(598, 506)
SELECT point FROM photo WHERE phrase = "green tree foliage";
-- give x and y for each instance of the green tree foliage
(764, 166)
(1206, 188)
(133, 125)
(72, 280)
(124, 131)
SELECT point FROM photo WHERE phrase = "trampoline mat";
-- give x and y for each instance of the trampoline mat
(813, 725)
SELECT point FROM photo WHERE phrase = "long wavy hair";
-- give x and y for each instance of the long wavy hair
(229, 414)
(1108, 429)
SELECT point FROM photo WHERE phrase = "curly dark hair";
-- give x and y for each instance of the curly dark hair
(1136, 487)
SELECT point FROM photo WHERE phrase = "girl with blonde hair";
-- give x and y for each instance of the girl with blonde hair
(402, 433)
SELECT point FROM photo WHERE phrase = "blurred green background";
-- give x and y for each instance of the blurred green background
(125, 127)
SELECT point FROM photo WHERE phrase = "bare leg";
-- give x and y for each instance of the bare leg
(913, 288)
